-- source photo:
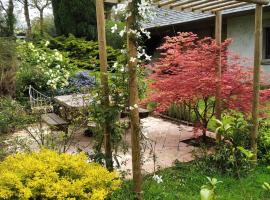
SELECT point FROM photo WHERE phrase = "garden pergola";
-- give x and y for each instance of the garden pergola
(210, 6)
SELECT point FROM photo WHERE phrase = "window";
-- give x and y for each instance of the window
(267, 43)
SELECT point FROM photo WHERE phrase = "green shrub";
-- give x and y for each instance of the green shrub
(41, 67)
(264, 141)
(81, 53)
(8, 67)
(114, 39)
(48, 175)
(12, 115)
(231, 155)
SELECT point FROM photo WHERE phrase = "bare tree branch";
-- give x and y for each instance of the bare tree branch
(2, 6)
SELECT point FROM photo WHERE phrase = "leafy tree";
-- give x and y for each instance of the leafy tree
(185, 73)
(77, 17)
(25, 4)
(48, 26)
(40, 5)
(9, 17)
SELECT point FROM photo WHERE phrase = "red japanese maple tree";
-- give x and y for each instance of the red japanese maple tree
(186, 73)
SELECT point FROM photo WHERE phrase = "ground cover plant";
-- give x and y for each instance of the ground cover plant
(184, 182)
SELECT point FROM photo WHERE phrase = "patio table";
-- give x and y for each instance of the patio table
(70, 106)
(74, 101)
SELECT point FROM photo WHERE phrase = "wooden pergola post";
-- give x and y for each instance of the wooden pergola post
(134, 100)
(218, 35)
(256, 79)
(104, 80)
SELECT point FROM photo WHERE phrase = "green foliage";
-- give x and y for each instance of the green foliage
(48, 175)
(77, 17)
(41, 67)
(182, 112)
(7, 20)
(264, 141)
(12, 115)
(48, 26)
(266, 185)
(8, 67)
(81, 53)
(232, 155)
(208, 191)
(114, 39)
(184, 181)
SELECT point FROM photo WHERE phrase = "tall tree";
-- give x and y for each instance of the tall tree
(77, 17)
(25, 4)
(40, 5)
(9, 17)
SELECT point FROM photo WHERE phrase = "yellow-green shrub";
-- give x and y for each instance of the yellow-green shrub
(49, 175)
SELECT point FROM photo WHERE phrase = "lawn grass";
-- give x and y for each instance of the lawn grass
(183, 182)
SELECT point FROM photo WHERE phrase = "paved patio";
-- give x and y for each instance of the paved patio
(164, 136)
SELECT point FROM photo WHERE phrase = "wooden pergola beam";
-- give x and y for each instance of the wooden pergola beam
(181, 3)
(104, 80)
(207, 4)
(256, 79)
(230, 7)
(221, 5)
(162, 4)
(260, 2)
(202, 2)
(218, 36)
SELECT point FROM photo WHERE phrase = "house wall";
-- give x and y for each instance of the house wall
(241, 30)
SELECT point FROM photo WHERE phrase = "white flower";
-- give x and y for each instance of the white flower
(47, 43)
(135, 106)
(115, 65)
(122, 69)
(131, 108)
(158, 178)
(114, 28)
(147, 57)
(121, 33)
(132, 59)
(123, 51)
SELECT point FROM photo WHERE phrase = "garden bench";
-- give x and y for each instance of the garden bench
(53, 120)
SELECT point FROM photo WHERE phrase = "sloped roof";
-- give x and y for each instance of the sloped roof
(166, 17)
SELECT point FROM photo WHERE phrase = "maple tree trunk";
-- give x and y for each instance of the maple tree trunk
(134, 113)
(104, 81)
(256, 80)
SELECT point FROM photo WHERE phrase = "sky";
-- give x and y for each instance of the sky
(19, 13)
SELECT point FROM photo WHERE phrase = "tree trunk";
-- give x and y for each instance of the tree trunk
(41, 22)
(10, 18)
(133, 100)
(104, 81)
(27, 18)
